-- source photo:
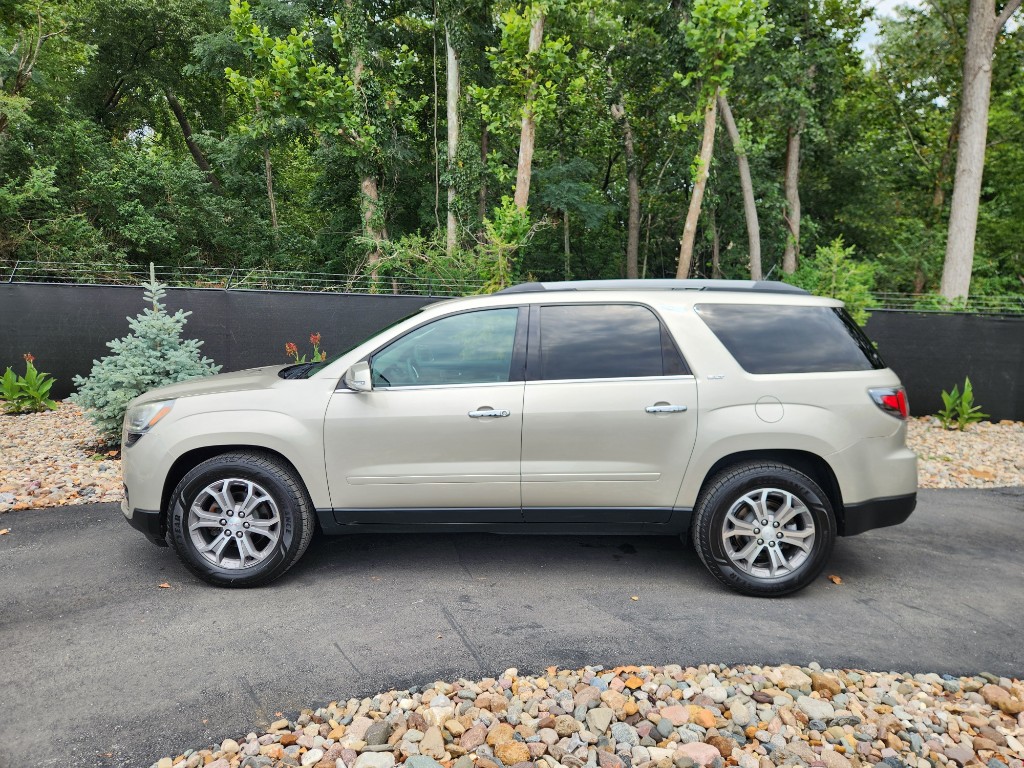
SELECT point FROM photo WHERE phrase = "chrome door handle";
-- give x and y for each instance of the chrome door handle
(665, 408)
(488, 414)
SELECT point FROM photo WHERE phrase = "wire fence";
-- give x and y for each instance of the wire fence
(233, 279)
(286, 280)
(1011, 304)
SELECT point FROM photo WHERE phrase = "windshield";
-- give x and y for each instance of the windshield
(310, 369)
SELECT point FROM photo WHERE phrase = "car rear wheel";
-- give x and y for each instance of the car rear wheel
(764, 529)
(240, 519)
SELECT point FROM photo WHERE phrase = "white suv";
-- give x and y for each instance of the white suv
(750, 416)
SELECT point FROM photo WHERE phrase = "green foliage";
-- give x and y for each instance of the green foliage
(491, 264)
(29, 393)
(833, 271)
(721, 33)
(530, 81)
(959, 409)
(96, 167)
(423, 258)
(152, 355)
(507, 232)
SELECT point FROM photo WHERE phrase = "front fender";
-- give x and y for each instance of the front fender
(298, 440)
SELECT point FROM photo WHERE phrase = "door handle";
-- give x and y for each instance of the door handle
(665, 408)
(488, 414)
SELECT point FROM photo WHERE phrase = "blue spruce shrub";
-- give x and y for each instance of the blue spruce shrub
(152, 355)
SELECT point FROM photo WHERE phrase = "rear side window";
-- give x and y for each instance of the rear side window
(605, 341)
(774, 339)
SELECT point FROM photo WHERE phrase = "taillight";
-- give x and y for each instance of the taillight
(892, 400)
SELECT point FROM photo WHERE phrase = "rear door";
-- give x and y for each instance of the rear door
(610, 415)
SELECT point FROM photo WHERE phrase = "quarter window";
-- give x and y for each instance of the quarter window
(776, 339)
(468, 348)
(586, 341)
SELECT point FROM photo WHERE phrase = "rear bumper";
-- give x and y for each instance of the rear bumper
(145, 520)
(877, 513)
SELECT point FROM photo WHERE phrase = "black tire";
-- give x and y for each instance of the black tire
(767, 486)
(273, 546)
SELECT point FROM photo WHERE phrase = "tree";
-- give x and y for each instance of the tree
(983, 27)
(721, 33)
(365, 106)
(152, 355)
(453, 81)
(747, 187)
(21, 43)
(529, 127)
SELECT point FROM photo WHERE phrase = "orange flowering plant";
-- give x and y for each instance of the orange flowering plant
(319, 355)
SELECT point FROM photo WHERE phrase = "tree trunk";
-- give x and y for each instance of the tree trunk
(942, 173)
(633, 185)
(268, 170)
(482, 199)
(747, 187)
(373, 228)
(791, 184)
(565, 244)
(707, 147)
(454, 91)
(982, 28)
(190, 142)
(529, 127)
(716, 247)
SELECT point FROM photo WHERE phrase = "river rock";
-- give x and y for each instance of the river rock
(816, 709)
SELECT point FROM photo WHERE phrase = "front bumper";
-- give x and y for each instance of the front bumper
(877, 513)
(145, 520)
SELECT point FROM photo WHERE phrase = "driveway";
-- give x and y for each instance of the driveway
(99, 666)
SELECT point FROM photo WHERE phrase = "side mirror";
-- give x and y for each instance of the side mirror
(358, 377)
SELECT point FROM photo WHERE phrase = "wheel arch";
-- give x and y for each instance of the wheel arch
(810, 464)
(193, 458)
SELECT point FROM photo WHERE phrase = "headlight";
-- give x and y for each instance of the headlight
(141, 418)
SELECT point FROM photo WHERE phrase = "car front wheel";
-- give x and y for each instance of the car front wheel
(240, 519)
(764, 529)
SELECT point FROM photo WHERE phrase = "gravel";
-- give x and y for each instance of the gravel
(57, 458)
(652, 717)
(986, 455)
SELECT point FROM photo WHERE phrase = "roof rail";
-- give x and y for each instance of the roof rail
(760, 286)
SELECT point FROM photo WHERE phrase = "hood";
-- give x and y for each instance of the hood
(236, 381)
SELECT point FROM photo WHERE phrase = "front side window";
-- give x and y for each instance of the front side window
(605, 341)
(468, 348)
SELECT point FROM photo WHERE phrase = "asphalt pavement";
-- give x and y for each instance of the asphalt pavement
(99, 666)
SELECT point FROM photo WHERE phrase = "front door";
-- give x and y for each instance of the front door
(438, 439)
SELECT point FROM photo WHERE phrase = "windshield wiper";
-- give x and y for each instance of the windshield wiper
(295, 371)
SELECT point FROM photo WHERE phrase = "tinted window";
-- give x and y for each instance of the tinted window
(470, 348)
(604, 341)
(774, 339)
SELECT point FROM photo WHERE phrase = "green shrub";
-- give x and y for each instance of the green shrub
(29, 393)
(959, 409)
(832, 271)
(152, 355)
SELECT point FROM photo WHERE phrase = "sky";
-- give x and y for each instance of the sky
(882, 8)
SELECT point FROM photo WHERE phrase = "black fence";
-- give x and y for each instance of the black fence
(934, 352)
(67, 326)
